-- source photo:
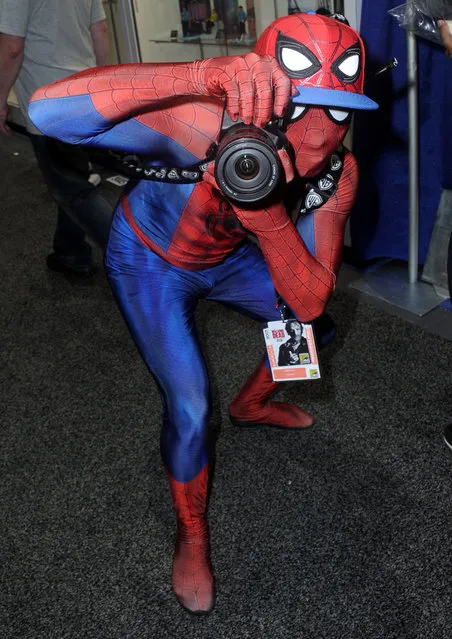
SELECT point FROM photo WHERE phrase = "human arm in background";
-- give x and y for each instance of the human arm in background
(446, 36)
(11, 58)
(99, 36)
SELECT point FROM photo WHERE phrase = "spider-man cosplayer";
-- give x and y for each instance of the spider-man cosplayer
(173, 244)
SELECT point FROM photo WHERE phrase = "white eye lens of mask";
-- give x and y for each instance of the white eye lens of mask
(294, 60)
(350, 66)
(299, 110)
(339, 116)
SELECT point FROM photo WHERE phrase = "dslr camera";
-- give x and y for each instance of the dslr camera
(247, 166)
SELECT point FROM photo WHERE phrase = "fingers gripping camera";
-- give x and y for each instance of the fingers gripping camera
(234, 79)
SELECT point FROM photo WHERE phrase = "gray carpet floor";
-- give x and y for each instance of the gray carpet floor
(340, 531)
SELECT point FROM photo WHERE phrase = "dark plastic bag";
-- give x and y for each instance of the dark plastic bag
(421, 16)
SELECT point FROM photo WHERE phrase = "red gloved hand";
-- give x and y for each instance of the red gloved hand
(263, 221)
(257, 221)
(255, 87)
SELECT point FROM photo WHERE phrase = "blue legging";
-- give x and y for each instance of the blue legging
(158, 301)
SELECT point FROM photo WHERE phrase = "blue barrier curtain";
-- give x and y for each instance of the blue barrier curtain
(379, 221)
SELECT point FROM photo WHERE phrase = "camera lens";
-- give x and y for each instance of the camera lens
(247, 167)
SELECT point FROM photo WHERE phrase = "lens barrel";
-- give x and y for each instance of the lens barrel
(247, 167)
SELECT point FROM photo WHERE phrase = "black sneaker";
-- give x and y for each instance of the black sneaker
(61, 264)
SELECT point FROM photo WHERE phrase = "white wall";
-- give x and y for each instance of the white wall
(178, 52)
(353, 12)
(268, 10)
(157, 18)
(153, 18)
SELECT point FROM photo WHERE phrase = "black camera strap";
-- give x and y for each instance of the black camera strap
(320, 189)
(134, 167)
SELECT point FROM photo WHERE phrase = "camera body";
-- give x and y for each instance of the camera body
(247, 166)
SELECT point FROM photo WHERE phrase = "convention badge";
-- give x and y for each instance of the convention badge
(292, 351)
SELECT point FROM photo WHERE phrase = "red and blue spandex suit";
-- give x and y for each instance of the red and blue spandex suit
(171, 245)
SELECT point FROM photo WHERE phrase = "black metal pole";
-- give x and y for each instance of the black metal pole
(339, 6)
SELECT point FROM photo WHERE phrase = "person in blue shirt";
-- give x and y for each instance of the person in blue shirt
(185, 19)
(242, 16)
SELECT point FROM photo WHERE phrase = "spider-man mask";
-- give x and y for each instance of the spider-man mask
(324, 59)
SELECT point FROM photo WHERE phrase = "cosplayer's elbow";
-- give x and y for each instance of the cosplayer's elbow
(35, 114)
(39, 112)
(58, 119)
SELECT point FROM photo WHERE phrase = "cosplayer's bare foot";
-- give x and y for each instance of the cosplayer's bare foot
(253, 407)
(193, 579)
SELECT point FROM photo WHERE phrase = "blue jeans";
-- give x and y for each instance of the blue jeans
(82, 210)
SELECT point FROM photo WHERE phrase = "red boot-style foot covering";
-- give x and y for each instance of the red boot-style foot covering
(193, 578)
(252, 406)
